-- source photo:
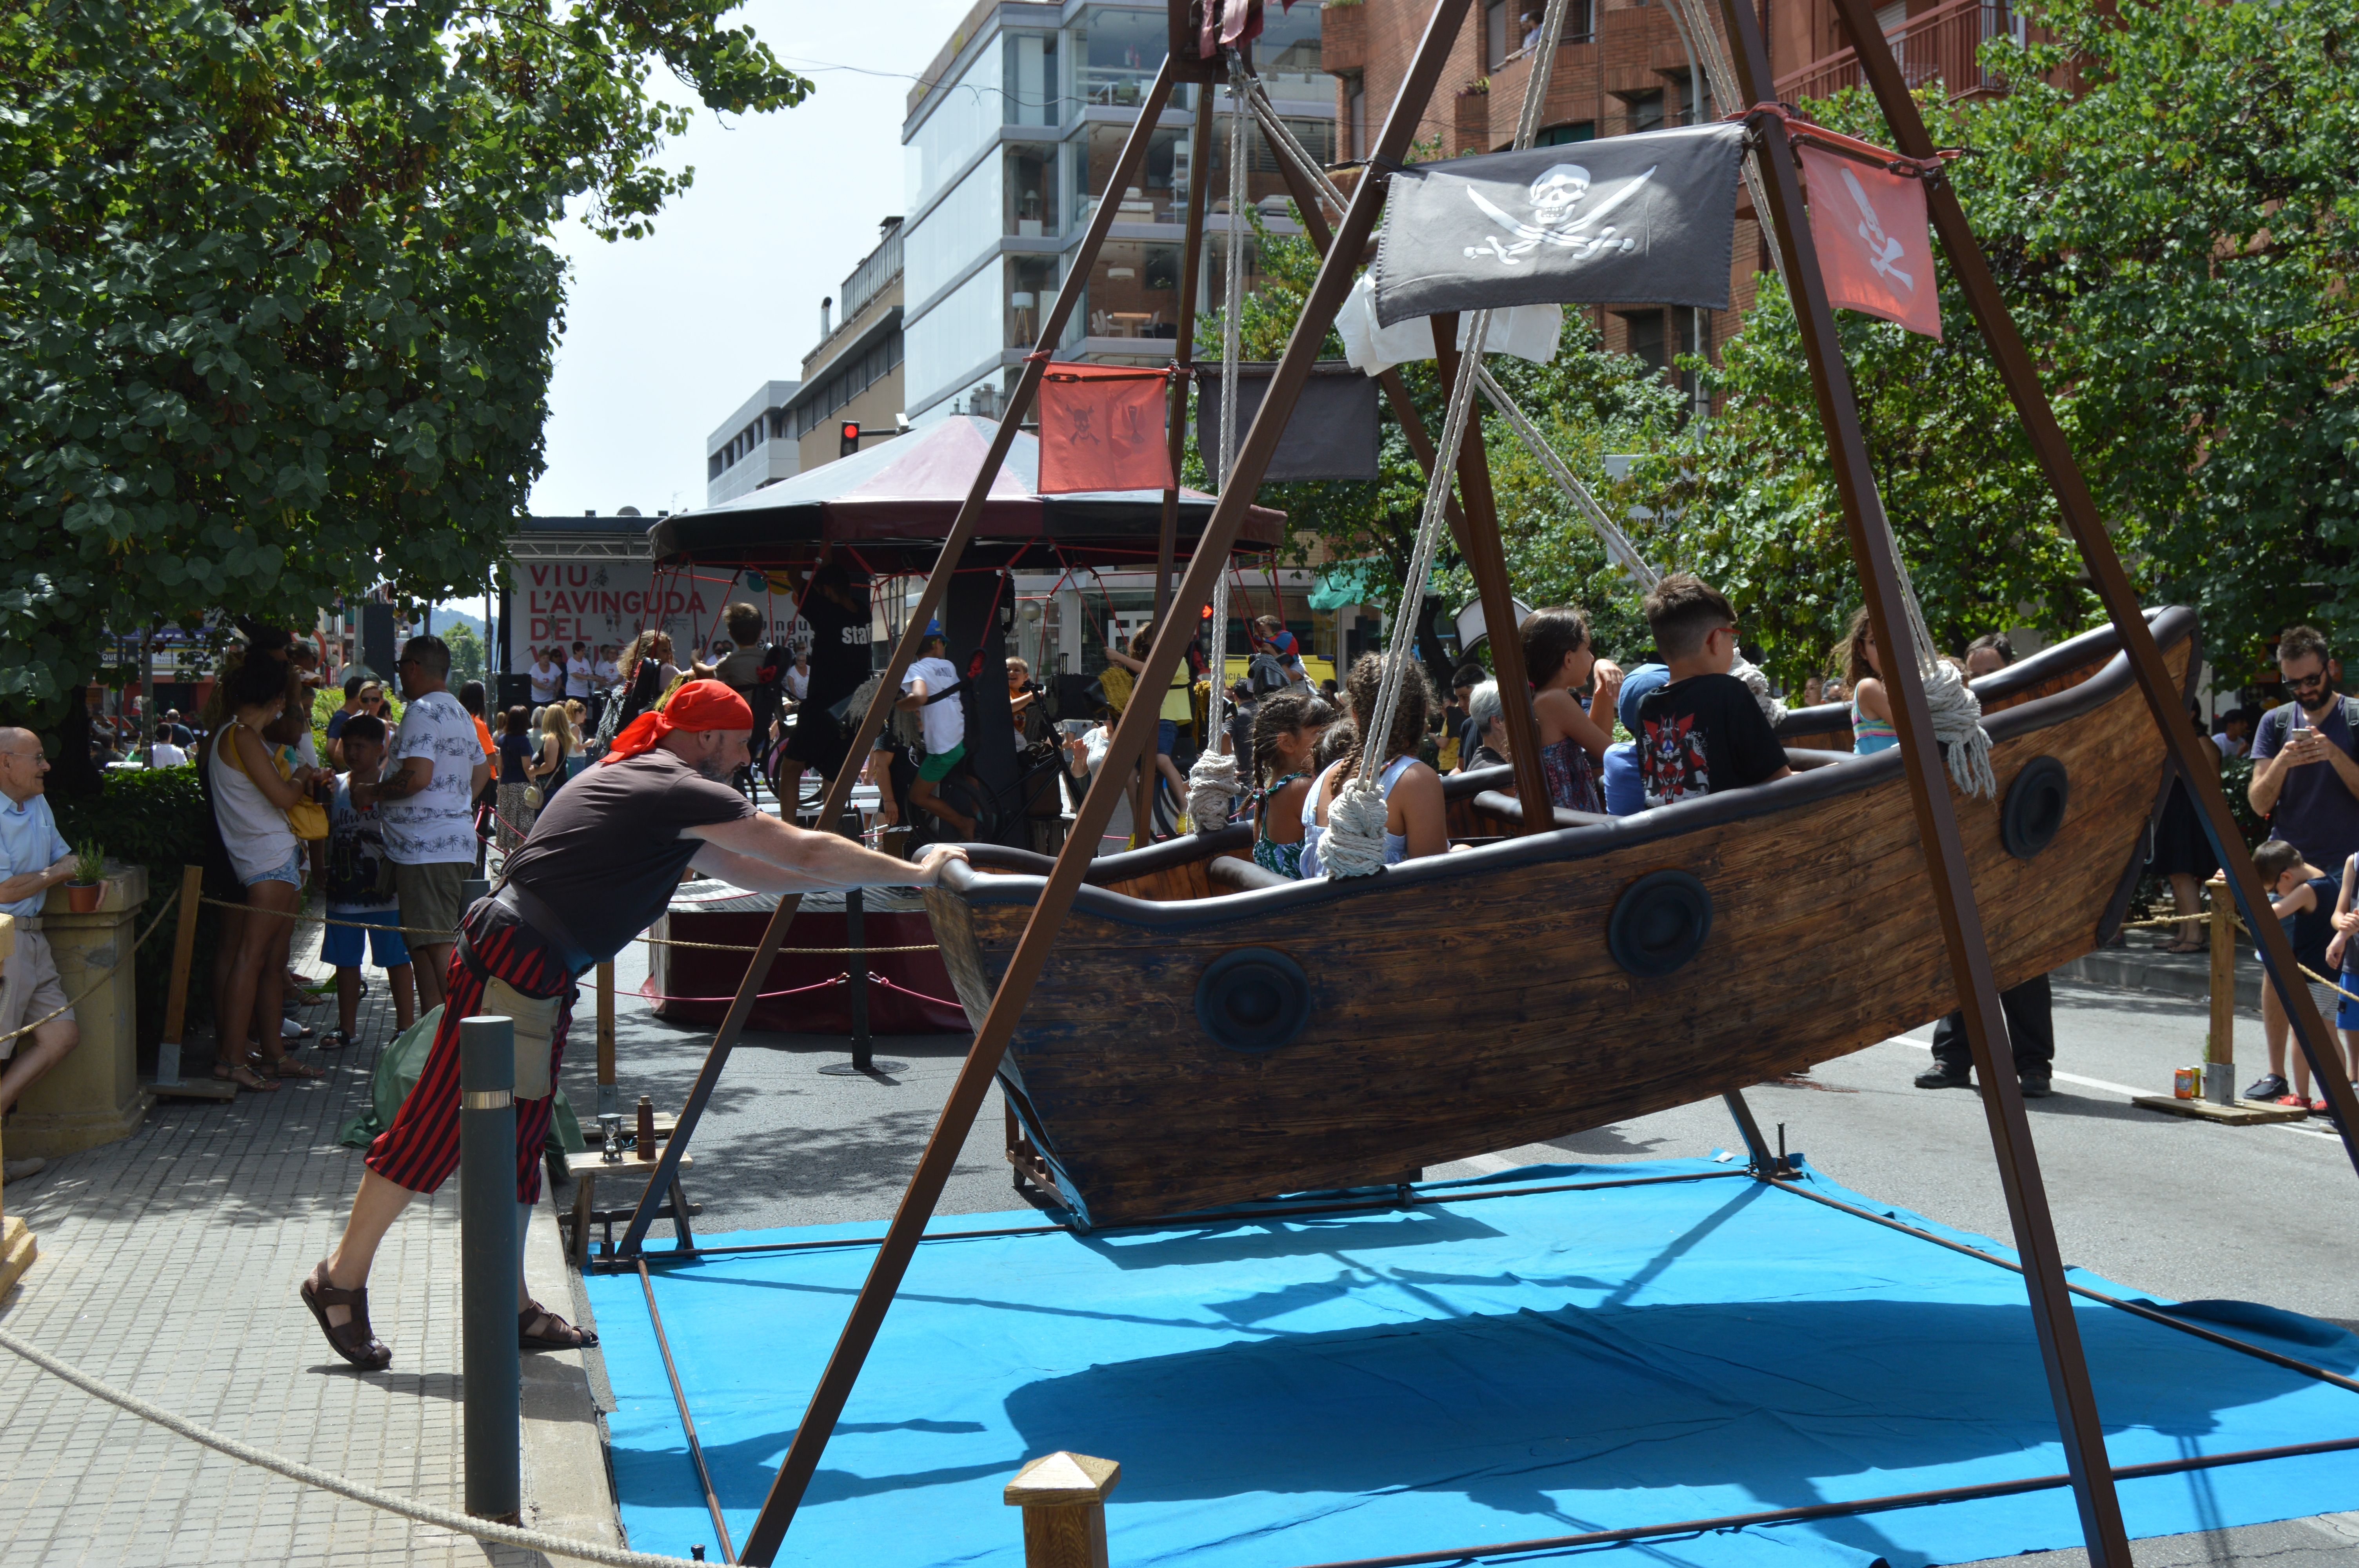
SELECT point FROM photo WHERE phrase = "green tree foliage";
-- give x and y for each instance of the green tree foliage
(2166, 198)
(466, 653)
(1587, 401)
(277, 300)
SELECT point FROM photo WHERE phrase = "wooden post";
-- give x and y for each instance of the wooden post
(609, 1096)
(2220, 1044)
(184, 950)
(1063, 1499)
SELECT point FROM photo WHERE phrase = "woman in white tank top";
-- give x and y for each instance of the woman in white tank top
(250, 806)
(1415, 822)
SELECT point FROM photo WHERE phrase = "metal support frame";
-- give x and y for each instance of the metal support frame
(1131, 738)
(1936, 824)
(904, 652)
(2111, 583)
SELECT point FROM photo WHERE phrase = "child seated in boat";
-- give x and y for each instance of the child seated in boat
(1625, 792)
(1558, 661)
(1703, 731)
(1285, 731)
(1871, 705)
(1415, 818)
(2302, 897)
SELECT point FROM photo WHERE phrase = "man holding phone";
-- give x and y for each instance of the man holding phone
(2306, 782)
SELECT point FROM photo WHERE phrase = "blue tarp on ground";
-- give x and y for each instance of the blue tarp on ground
(1284, 1392)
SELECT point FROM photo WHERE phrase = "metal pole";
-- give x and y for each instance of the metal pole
(2111, 583)
(1946, 871)
(855, 907)
(494, 1384)
(1131, 741)
(904, 651)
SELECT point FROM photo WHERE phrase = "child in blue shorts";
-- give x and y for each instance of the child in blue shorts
(2342, 953)
(362, 910)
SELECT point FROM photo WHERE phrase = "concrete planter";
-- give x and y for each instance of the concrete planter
(93, 1096)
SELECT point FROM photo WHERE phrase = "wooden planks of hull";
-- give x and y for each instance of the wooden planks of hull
(1469, 1002)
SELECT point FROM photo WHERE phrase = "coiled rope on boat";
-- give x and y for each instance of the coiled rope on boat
(327, 1481)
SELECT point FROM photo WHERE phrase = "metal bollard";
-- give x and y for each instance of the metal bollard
(863, 1063)
(1063, 1499)
(494, 1372)
(2220, 1042)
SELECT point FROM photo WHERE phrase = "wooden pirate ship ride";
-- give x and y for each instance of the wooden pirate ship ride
(1205, 1031)
(1564, 971)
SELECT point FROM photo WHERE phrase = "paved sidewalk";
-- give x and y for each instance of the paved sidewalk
(168, 1267)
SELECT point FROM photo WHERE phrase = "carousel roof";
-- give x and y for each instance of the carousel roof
(894, 503)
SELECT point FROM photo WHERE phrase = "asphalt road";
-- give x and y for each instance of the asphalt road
(2175, 1208)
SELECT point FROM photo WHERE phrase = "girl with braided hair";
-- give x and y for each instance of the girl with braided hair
(1416, 821)
(1287, 727)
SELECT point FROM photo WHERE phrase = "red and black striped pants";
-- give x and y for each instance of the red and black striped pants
(420, 1150)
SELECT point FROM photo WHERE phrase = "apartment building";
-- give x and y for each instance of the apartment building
(1625, 66)
(750, 449)
(854, 373)
(1012, 133)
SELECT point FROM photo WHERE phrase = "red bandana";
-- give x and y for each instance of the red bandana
(698, 705)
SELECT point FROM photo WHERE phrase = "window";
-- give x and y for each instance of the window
(1119, 51)
(1647, 340)
(1029, 89)
(1135, 291)
(1558, 136)
(1646, 111)
(1287, 53)
(1688, 107)
(1495, 34)
(847, 380)
(1031, 192)
(1031, 294)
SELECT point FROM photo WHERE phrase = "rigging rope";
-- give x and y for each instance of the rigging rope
(1213, 777)
(1354, 844)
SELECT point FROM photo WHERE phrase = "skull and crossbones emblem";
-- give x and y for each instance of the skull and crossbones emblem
(1883, 249)
(1557, 196)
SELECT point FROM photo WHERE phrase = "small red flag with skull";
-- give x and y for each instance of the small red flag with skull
(1101, 427)
(1869, 227)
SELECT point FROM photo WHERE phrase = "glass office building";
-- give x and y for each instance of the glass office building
(1007, 155)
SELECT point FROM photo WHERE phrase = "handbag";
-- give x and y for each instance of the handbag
(307, 818)
(532, 796)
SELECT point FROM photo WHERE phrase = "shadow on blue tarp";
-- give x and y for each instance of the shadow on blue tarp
(1293, 1390)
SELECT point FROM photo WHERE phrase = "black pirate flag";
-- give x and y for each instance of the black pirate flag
(1646, 219)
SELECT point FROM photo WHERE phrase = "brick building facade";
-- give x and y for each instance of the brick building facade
(1623, 67)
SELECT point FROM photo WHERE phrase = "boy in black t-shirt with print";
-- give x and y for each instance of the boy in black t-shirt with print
(1702, 732)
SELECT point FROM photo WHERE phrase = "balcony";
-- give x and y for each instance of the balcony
(1344, 39)
(1937, 45)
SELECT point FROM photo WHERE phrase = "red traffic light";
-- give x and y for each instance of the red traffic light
(851, 442)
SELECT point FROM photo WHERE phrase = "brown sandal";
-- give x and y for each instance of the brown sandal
(559, 1336)
(244, 1076)
(353, 1340)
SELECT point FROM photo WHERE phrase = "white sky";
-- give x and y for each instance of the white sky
(667, 336)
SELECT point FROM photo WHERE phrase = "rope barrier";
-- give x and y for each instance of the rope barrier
(327, 1481)
(2189, 919)
(442, 935)
(99, 984)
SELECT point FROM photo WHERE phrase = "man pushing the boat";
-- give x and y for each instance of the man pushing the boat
(601, 864)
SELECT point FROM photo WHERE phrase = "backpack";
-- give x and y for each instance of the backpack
(2283, 714)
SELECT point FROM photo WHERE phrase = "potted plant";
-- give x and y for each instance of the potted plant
(88, 881)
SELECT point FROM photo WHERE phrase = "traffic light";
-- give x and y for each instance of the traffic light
(851, 439)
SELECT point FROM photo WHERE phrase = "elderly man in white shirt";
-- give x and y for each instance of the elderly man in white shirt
(37, 1027)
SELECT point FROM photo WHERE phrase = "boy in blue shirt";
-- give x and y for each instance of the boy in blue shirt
(363, 910)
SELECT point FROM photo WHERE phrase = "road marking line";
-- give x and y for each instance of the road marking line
(2128, 1093)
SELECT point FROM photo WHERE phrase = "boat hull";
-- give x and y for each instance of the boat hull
(1470, 1002)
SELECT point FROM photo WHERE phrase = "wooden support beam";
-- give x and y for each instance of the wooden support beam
(904, 652)
(1131, 738)
(1946, 869)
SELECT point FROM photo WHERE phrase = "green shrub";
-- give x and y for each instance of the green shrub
(155, 818)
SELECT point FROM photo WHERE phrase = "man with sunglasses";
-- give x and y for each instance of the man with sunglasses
(2306, 782)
